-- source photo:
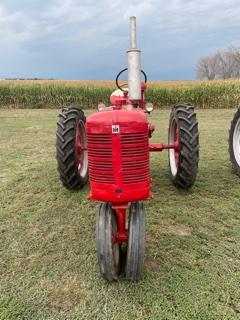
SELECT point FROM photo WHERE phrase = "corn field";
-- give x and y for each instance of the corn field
(87, 94)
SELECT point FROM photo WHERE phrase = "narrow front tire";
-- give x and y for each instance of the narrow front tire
(108, 252)
(136, 242)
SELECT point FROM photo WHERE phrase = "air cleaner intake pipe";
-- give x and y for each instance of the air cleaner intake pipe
(134, 65)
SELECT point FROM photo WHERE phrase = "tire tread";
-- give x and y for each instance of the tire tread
(186, 118)
(235, 166)
(65, 148)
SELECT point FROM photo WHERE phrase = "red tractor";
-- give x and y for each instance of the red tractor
(112, 147)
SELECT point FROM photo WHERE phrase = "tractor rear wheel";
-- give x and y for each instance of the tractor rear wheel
(136, 242)
(234, 142)
(108, 252)
(183, 134)
(71, 148)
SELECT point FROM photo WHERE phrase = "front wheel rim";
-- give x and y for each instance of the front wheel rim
(236, 142)
(81, 149)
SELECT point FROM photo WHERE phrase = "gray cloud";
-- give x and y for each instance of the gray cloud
(88, 39)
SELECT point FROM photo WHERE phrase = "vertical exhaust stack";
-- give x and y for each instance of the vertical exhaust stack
(134, 65)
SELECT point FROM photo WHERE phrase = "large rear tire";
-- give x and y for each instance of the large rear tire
(183, 133)
(108, 252)
(136, 242)
(234, 142)
(71, 148)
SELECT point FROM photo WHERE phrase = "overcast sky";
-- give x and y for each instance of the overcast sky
(88, 39)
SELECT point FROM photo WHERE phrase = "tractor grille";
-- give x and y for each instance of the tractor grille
(100, 158)
(135, 157)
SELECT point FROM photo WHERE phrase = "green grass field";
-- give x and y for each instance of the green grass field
(48, 264)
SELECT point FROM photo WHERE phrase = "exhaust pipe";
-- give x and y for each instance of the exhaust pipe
(134, 65)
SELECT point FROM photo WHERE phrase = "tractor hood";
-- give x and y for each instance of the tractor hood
(118, 121)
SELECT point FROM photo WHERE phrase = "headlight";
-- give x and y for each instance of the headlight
(149, 107)
(101, 106)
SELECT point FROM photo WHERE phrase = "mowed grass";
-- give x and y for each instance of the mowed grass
(48, 263)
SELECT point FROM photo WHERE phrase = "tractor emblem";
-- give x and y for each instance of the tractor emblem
(115, 129)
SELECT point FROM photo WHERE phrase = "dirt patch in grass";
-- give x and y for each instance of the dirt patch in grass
(152, 264)
(168, 226)
(66, 294)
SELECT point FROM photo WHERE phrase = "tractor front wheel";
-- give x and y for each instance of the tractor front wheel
(71, 148)
(234, 142)
(183, 135)
(136, 241)
(108, 252)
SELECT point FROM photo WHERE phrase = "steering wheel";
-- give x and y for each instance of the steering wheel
(117, 77)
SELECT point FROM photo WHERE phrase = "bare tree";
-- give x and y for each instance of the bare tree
(236, 56)
(226, 64)
(207, 67)
(203, 71)
(221, 65)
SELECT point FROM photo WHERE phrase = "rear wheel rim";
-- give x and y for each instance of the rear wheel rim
(236, 142)
(174, 153)
(80, 149)
(176, 144)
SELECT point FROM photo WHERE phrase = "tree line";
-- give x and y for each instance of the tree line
(220, 65)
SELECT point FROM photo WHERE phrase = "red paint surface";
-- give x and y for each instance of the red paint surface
(119, 169)
(156, 147)
(122, 234)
